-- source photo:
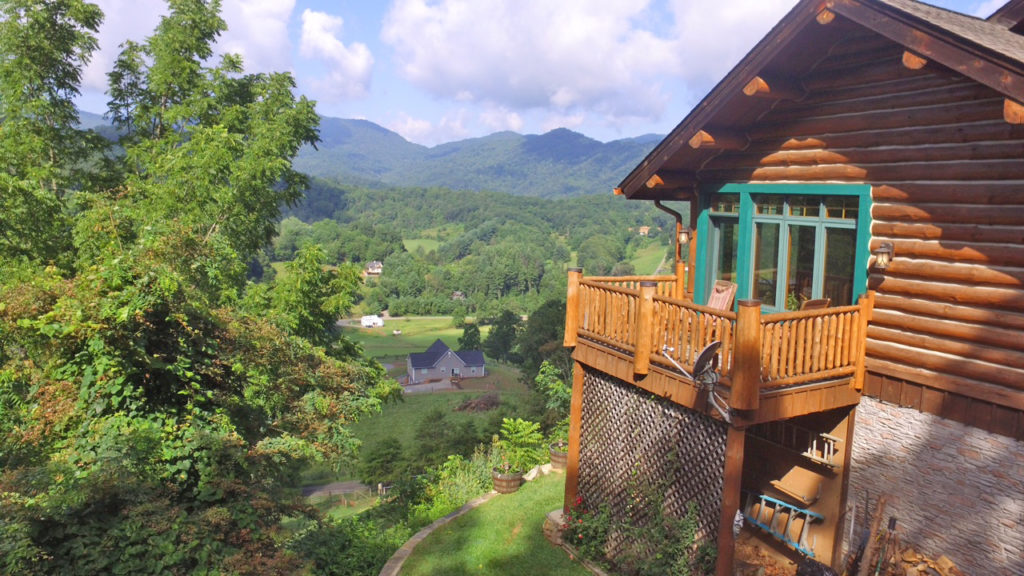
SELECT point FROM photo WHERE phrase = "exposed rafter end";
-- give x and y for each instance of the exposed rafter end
(913, 61)
(825, 17)
(617, 191)
(774, 87)
(1013, 111)
(671, 180)
(718, 139)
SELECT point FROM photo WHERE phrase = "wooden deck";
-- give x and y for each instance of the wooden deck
(772, 367)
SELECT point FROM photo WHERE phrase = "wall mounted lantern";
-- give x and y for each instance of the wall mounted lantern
(684, 236)
(883, 255)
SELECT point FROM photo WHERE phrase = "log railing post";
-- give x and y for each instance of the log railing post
(572, 307)
(867, 305)
(644, 327)
(746, 363)
(681, 284)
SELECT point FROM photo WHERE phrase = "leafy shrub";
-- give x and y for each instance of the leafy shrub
(348, 547)
(587, 529)
(520, 444)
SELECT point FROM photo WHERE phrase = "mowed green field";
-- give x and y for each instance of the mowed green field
(417, 334)
(646, 260)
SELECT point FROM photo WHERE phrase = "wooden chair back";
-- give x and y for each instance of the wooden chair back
(816, 304)
(722, 295)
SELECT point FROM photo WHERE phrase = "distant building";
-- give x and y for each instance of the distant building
(644, 230)
(440, 362)
(374, 268)
(371, 321)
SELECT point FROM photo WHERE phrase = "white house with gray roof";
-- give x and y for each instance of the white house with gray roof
(440, 362)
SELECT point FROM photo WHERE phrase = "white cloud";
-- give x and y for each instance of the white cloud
(572, 122)
(612, 58)
(123, 20)
(258, 30)
(349, 66)
(500, 118)
(450, 127)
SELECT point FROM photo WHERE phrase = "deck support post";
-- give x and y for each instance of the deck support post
(572, 307)
(644, 327)
(731, 481)
(572, 467)
(867, 305)
(746, 369)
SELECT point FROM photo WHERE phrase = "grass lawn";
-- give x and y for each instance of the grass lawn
(418, 333)
(427, 244)
(647, 259)
(503, 536)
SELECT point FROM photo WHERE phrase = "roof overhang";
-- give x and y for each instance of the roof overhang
(985, 51)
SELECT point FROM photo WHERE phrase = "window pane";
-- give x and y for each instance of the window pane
(808, 206)
(727, 233)
(800, 270)
(769, 205)
(840, 248)
(725, 203)
(841, 207)
(766, 261)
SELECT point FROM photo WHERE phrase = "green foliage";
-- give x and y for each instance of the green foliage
(453, 483)
(521, 444)
(470, 339)
(382, 462)
(541, 340)
(587, 529)
(155, 409)
(43, 48)
(347, 547)
(558, 395)
(500, 341)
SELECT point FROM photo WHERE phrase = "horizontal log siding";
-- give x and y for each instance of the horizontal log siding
(947, 176)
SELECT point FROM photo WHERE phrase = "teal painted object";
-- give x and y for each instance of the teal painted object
(710, 240)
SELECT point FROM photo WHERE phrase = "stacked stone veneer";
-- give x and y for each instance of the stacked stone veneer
(638, 450)
(954, 489)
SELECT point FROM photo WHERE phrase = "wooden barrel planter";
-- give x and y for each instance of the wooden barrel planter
(506, 482)
(559, 455)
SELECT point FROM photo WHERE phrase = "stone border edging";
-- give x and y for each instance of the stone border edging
(394, 564)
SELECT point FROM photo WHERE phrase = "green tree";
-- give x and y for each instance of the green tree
(43, 48)
(501, 340)
(151, 420)
(470, 339)
(541, 339)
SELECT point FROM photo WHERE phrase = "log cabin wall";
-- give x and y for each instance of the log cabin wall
(948, 191)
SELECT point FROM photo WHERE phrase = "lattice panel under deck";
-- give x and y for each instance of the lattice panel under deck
(631, 439)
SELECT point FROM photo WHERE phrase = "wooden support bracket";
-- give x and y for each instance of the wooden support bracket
(671, 180)
(1013, 111)
(774, 87)
(718, 139)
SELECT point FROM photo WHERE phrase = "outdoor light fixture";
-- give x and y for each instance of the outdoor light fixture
(684, 236)
(883, 255)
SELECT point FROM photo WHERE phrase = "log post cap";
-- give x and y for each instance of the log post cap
(575, 269)
(648, 283)
(749, 303)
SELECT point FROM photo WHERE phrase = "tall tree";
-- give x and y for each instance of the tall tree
(43, 48)
(500, 341)
(470, 339)
(154, 413)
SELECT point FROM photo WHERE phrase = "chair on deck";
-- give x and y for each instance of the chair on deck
(816, 304)
(722, 294)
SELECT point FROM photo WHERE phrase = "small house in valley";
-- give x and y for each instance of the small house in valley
(858, 181)
(439, 362)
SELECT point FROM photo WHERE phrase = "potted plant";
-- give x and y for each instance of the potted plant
(520, 446)
(558, 448)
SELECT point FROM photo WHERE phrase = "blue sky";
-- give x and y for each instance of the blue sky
(441, 70)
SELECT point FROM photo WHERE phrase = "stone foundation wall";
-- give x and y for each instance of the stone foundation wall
(954, 489)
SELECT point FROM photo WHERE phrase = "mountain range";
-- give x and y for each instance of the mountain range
(555, 164)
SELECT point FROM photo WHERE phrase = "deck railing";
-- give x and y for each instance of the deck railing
(757, 352)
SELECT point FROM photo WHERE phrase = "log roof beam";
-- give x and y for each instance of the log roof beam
(718, 139)
(1013, 112)
(912, 61)
(766, 86)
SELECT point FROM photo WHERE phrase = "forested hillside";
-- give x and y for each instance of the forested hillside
(476, 253)
(556, 164)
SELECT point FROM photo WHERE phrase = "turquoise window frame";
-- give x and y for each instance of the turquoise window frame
(744, 264)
